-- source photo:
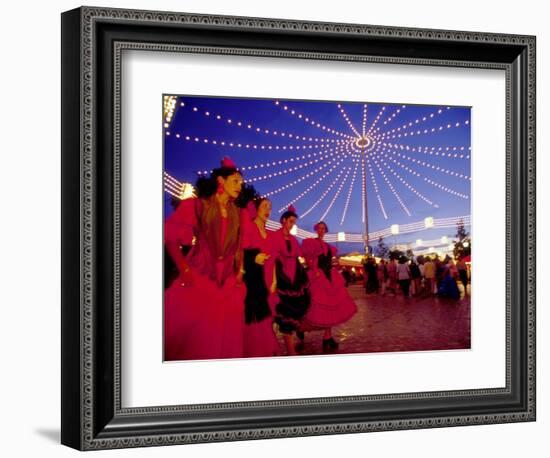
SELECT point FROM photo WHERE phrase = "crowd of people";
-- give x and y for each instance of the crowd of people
(420, 276)
(235, 281)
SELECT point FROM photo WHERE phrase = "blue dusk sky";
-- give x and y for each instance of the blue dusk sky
(326, 157)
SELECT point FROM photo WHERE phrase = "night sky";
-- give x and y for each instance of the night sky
(415, 158)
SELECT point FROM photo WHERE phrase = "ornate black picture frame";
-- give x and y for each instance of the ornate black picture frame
(92, 42)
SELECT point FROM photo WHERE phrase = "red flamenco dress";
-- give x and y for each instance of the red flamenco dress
(331, 303)
(204, 318)
(259, 337)
(292, 283)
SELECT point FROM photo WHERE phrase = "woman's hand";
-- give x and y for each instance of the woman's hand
(239, 277)
(261, 258)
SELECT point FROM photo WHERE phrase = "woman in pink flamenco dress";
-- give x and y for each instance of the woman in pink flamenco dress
(204, 306)
(292, 281)
(331, 303)
(260, 281)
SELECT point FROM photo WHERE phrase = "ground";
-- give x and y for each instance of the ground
(395, 323)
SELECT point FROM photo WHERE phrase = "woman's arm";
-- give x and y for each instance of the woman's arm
(179, 230)
(273, 288)
(174, 250)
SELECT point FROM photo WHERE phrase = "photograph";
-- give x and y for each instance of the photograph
(314, 227)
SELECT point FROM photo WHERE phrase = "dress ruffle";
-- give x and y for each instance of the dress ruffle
(204, 320)
(331, 303)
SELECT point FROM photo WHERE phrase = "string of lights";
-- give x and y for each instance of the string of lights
(459, 152)
(438, 185)
(454, 219)
(247, 125)
(383, 233)
(176, 187)
(172, 193)
(336, 195)
(169, 177)
(376, 191)
(169, 106)
(445, 188)
(408, 185)
(269, 164)
(346, 118)
(363, 189)
(302, 178)
(416, 121)
(392, 189)
(425, 131)
(292, 169)
(364, 129)
(324, 194)
(310, 121)
(235, 144)
(376, 119)
(170, 190)
(348, 198)
(309, 188)
(425, 164)
(390, 118)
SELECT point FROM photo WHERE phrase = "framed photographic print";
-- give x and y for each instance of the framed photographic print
(275, 228)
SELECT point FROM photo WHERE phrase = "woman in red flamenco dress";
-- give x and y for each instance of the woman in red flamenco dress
(204, 306)
(331, 303)
(260, 281)
(292, 281)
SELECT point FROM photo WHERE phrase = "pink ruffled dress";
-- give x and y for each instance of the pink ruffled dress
(331, 303)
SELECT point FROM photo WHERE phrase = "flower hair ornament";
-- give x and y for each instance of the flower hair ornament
(227, 163)
(292, 209)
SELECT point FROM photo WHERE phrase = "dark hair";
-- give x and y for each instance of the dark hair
(287, 215)
(207, 186)
(317, 225)
(248, 193)
(258, 201)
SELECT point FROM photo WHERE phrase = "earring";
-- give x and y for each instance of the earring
(220, 188)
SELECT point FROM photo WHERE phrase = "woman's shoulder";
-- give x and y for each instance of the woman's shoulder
(312, 246)
(277, 237)
(186, 208)
(309, 242)
(277, 234)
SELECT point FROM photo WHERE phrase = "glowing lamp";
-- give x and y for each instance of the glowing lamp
(341, 236)
(187, 191)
